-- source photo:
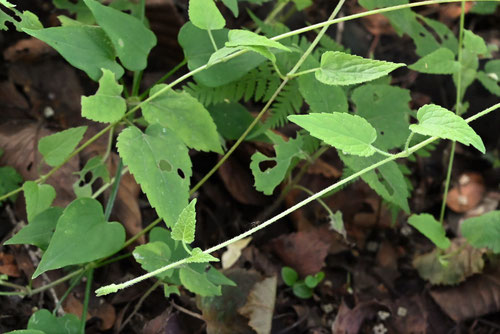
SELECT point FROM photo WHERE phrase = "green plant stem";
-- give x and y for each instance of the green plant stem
(110, 144)
(319, 200)
(112, 260)
(136, 83)
(298, 74)
(56, 282)
(88, 287)
(384, 153)
(408, 141)
(165, 77)
(236, 54)
(143, 232)
(13, 286)
(108, 184)
(67, 292)
(115, 287)
(212, 39)
(114, 191)
(457, 111)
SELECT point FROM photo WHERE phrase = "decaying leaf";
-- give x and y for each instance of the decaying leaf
(233, 252)
(259, 307)
(460, 261)
(8, 265)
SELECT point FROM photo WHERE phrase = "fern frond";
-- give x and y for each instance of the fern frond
(288, 102)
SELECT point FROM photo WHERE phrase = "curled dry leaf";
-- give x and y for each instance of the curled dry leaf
(233, 252)
(20, 143)
(463, 261)
(475, 298)
(259, 307)
(349, 321)
(467, 194)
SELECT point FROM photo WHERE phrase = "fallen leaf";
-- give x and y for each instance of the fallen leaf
(8, 265)
(463, 261)
(105, 312)
(233, 252)
(349, 321)
(27, 50)
(478, 296)
(165, 323)
(259, 307)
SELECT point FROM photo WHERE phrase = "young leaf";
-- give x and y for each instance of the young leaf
(107, 105)
(386, 108)
(69, 41)
(490, 78)
(238, 37)
(79, 236)
(7, 4)
(57, 147)
(131, 39)
(197, 282)
(204, 14)
(434, 120)
(289, 276)
(267, 180)
(232, 5)
(440, 61)
(474, 43)
(184, 228)
(43, 320)
(301, 290)
(483, 231)
(152, 256)
(338, 68)
(322, 98)
(349, 133)
(185, 116)
(160, 163)
(199, 257)
(431, 228)
(39, 230)
(39, 197)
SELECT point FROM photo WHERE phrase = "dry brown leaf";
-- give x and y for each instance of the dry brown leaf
(465, 261)
(103, 311)
(27, 50)
(20, 145)
(349, 321)
(165, 323)
(233, 252)
(259, 308)
(8, 265)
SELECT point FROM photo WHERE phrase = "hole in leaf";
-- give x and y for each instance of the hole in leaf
(382, 133)
(266, 165)
(421, 34)
(88, 177)
(165, 166)
(81, 183)
(181, 173)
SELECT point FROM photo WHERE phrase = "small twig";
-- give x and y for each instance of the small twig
(139, 304)
(186, 311)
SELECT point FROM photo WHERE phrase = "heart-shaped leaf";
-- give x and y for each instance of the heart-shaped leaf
(82, 235)
(57, 147)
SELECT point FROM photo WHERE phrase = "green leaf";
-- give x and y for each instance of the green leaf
(43, 320)
(96, 167)
(204, 14)
(39, 197)
(349, 133)
(198, 282)
(483, 231)
(232, 5)
(488, 81)
(238, 37)
(160, 163)
(267, 180)
(168, 290)
(386, 108)
(26, 331)
(152, 256)
(434, 120)
(185, 116)
(131, 39)
(184, 228)
(301, 4)
(9, 181)
(301, 290)
(387, 180)
(431, 228)
(79, 236)
(339, 68)
(39, 230)
(198, 50)
(7, 4)
(440, 61)
(69, 41)
(474, 44)
(484, 8)
(197, 256)
(57, 147)
(107, 105)
(289, 276)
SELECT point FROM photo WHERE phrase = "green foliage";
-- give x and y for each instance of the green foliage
(350, 133)
(95, 166)
(131, 40)
(266, 180)
(431, 228)
(439, 61)
(483, 231)
(434, 120)
(57, 148)
(490, 78)
(185, 116)
(160, 163)
(184, 228)
(9, 179)
(39, 197)
(205, 15)
(153, 255)
(107, 105)
(83, 217)
(338, 68)
(322, 98)
(44, 321)
(301, 288)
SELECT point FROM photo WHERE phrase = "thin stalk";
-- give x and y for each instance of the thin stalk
(236, 54)
(115, 287)
(112, 260)
(108, 184)
(319, 200)
(88, 286)
(298, 74)
(143, 232)
(114, 191)
(165, 77)
(212, 39)
(457, 111)
(136, 83)
(56, 282)
(110, 144)
(14, 286)
(67, 292)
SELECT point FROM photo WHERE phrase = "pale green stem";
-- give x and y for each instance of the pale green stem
(298, 74)
(319, 200)
(115, 287)
(384, 153)
(88, 287)
(212, 39)
(457, 111)
(408, 141)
